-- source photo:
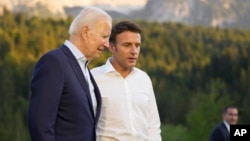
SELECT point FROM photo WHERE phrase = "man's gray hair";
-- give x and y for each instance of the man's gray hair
(88, 16)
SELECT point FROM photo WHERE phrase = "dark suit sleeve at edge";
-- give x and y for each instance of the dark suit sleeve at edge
(46, 90)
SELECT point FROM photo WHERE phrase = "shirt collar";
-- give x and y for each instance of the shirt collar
(109, 67)
(227, 126)
(75, 51)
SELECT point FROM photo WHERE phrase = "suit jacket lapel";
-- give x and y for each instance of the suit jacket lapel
(98, 97)
(225, 131)
(78, 72)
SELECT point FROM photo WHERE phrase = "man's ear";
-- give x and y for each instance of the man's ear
(84, 32)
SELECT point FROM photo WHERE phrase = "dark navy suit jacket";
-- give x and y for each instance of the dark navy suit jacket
(220, 133)
(60, 104)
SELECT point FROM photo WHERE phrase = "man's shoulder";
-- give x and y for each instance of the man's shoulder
(141, 72)
(51, 56)
(219, 126)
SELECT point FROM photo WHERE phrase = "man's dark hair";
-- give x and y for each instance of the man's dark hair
(121, 27)
(228, 107)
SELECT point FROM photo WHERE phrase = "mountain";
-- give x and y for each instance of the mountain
(215, 13)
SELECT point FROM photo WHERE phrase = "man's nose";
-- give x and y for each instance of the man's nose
(106, 44)
(134, 49)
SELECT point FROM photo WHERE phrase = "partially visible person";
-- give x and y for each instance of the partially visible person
(222, 130)
(129, 111)
(65, 101)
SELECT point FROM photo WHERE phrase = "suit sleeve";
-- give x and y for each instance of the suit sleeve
(216, 135)
(46, 90)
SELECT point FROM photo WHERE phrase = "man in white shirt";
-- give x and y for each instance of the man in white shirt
(129, 110)
(222, 130)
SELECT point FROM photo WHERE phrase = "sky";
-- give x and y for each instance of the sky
(11, 3)
(57, 5)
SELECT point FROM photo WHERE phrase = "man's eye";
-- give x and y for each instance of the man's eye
(138, 45)
(105, 37)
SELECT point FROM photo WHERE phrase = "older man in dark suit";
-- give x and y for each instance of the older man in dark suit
(222, 131)
(65, 101)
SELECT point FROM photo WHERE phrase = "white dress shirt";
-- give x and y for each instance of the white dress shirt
(129, 111)
(227, 126)
(83, 64)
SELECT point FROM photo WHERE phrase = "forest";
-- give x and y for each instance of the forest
(195, 70)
